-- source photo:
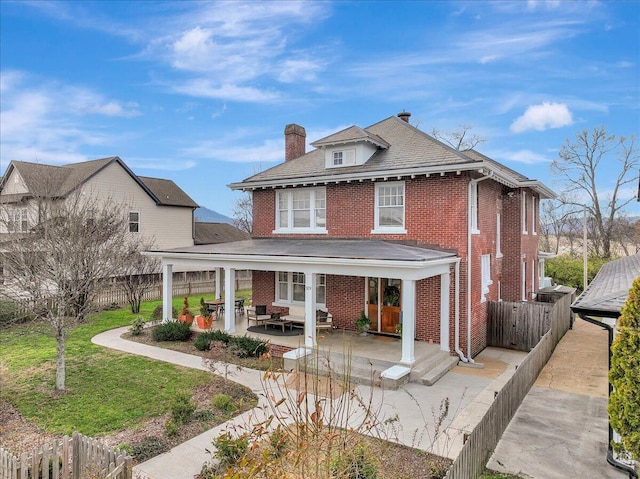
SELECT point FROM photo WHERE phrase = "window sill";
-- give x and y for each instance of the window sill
(301, 231)
(389, 231)
(287, 304)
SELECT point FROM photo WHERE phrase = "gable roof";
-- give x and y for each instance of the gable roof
(609, 290)
(410, 152)
(352, 134)
(60, 181)
(214, 233)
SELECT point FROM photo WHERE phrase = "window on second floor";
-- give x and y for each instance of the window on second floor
(485, 276)
(134, 222)
(524, 212)
(534, 210)
(337, 158)
(498, 236)
(474, 208)
(389, 204)
(290, 288)
(301, 210)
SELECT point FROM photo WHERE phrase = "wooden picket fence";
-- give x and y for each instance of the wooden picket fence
(483, 439)
(72, 457)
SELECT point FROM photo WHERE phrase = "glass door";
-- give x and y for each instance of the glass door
(383, 303)
(373, 312)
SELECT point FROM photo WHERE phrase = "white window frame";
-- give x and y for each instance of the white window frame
(338, 158)
(18, 220)
(485, 276)
(524, 213)
(534, 205)
(385, 229)
(285, 282)
(498, 236)
(474, 208)
(534, 272)
(131, 222)
(524, 280)
(317, 211)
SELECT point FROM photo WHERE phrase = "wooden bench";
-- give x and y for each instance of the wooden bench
(296, 316)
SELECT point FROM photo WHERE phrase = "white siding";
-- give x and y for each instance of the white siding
(14, 184)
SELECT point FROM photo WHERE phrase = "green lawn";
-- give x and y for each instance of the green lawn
(106, 390)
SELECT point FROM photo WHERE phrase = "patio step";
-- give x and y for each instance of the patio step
(429, 373)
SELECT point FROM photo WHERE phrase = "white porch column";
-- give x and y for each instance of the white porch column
(229, 300)
(408, 321)
(310, 339)
(218, 283)
(444, 311)
(167, 292)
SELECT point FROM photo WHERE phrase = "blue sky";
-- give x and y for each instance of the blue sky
(200, 92)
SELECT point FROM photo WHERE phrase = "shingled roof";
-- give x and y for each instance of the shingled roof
(59, 181)
(403, 150)
(608, 291)
(214, 233)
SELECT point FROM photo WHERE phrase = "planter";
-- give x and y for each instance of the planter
(204, 322)
(185, 318)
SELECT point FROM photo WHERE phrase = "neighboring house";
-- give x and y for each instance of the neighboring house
(157, 209)
(388, 220)
(214, 233)
(601, 304)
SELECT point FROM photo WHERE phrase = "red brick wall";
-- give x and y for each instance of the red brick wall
(345, 300)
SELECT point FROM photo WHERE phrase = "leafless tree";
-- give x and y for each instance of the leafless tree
(243, 212)
(461, 139)
(580, 166)
(560, 225)
(139, 273)
(64, 261)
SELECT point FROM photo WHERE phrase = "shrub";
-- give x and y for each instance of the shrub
(149, 447)
(204, 415)
(137, 326)
(172, 331)
(278, 442)
(356, 463)
(229, 450)
(182, 408)
(568, 270)
(224, 402)
(171, 428)
(249, 347)
(11, 312)
(156, 316)
(203, 341)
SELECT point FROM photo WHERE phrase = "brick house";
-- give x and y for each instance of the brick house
(390, 221)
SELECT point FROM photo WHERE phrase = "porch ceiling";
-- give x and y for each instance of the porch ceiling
(335, 256)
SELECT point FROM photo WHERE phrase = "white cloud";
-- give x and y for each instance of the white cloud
(201, 87)
(522, 156)
(543, 117)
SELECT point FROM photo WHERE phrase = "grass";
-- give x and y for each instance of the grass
(107, 391)
(497, 475)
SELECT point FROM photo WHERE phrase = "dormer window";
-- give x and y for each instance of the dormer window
(340, 157)
(337, 158)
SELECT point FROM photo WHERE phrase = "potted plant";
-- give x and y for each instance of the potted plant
(399, 328)
(391, 296)
(204, 319)
(185, 316)
(363, 324)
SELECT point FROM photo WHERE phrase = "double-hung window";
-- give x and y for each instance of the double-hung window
(473, 200)
(389, 204)
(337, 158)
(290, 288)
(18, 221)
(485, 272)
(534, 208)
(134, 222)
(301, 210)
(524, 213)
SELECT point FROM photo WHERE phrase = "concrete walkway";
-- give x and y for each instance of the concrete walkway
(561, 430)
(411, 410)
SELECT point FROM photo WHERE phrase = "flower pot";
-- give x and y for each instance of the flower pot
(185, 318)
(204, 322)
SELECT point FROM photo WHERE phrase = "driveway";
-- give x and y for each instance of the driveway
(561, 429)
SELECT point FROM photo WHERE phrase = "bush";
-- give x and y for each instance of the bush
(172, 331)
(204, 415)
(249, 347)
(224, 402)
(157, 313)
(355, 464)
(171, 428)
(182, 408)
(203, 341)
(11, 312)
(278, 442)
(568, 270)
(229, 450)
(149, 447)
(137, 326)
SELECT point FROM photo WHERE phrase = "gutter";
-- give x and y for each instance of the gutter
(610, 457)
(456, 332)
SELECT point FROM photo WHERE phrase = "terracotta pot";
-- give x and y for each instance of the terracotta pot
(185, 318)
(204, 322)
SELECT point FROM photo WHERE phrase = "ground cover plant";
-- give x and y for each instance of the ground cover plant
(109, 393)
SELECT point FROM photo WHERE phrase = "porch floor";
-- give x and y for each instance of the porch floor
(374, 346)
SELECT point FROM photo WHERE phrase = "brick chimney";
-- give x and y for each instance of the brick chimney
(404, 115)
(295, 139)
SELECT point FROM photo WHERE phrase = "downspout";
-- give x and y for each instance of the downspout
(456, 333)
(472, 182)
(610, 457)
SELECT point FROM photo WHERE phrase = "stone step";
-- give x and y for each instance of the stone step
(435, 373)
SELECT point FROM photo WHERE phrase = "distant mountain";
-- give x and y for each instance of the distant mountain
(205, 215)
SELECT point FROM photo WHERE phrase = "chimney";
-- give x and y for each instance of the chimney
(295, 139)
(404, 115)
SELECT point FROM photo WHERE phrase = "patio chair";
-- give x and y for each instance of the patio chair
(257, 314)
(240, 306)
(322, 320)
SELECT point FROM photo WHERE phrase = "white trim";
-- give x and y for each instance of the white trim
(289, 301)
(474, 208)
(498, 236)
(287, 196)
(385, 229)
(523, 212)
(534, 209)
(129, 222)
(485, 276)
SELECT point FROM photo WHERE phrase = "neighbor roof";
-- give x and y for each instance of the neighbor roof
(608, 291)
(214, 233)
(59, 181)
(410, 151)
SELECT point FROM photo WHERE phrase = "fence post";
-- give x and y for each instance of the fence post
(75, 455)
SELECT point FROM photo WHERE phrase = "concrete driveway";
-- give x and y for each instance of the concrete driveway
(561, 429)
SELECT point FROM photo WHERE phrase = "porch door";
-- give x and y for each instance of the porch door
(384, 303)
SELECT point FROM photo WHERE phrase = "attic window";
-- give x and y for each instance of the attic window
(134, 222)
(337, 158)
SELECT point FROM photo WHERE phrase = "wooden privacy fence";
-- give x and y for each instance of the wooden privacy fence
(517, 325)
(72, 457)
(482, 441)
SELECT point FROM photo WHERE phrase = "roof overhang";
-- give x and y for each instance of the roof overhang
(329, 256)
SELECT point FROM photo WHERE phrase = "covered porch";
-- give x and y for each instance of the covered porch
(354, 258)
